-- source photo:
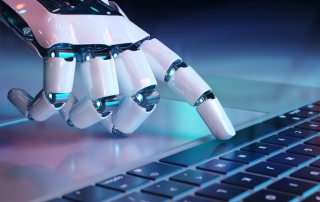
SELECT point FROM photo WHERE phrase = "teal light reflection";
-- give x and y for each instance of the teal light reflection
(178, 120)
(94, 9)
(13, 122)
(116, 149)
(66, 55)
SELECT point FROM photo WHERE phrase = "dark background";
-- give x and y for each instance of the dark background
(264, 40)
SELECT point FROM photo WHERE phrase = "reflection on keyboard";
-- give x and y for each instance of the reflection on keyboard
(276, 160)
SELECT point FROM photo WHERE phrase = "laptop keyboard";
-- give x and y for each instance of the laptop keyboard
(276, 160)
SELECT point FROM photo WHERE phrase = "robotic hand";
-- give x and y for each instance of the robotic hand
(112, 50)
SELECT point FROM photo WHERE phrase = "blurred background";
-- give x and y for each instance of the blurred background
(266, 40)
(263, 40)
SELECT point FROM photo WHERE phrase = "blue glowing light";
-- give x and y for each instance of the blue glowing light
(13, 122)
(94, 9)
(22, 11)
(116, 149)
(66, 55)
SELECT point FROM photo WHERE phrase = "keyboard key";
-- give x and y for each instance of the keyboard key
(193, 199)
(314, 141)
(310, 126)
(290, 159)
(267, 196)
(298, 132)
(221, 166)
(284, 120)
(302, 113)
(168, 189)
(306, 150)
(154, 170)
(139, 197)
(195, 177)
(247, 180)
(313, 198)
(214, 148)
(281, 140)
(123, 183)
(270, 169)
(308, 173)
(315, 108)
(316, 164)
(223, 192)
(294, 186)
(92, 194)
(242, 157)
(262, 148)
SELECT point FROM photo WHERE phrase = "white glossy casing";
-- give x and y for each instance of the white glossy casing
(50, 29)
(21, 100)
(188, 84)
(107, 123)
(106, 1)
(65, 110)
(159, 56)
(100, 78)
(42, 109)
(83, 114)
(134, 72)
(129, 115)
(117, 8)
(58, 75)
(216, 119)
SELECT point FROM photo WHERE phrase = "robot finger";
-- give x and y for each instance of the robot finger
(100, 80)
(65, 110)
(58, 81)
(185, 82)
(21, 100)
(132, 111)
(138, 85)
(129, 116)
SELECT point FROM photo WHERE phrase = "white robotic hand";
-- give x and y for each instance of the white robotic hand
(112, 51)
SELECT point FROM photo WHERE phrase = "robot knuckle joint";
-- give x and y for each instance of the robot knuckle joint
(204, 97)
(57, 99)
(147, 97)
(106, 105)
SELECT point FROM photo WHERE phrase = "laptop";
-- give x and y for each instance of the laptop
(260, 81)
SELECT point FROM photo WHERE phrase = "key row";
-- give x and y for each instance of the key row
(111, 188)
(163, 190)
(172, 189)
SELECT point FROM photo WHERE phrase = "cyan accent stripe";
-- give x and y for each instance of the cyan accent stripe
(13, 122)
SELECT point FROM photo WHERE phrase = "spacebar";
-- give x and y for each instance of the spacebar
(213, 148)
